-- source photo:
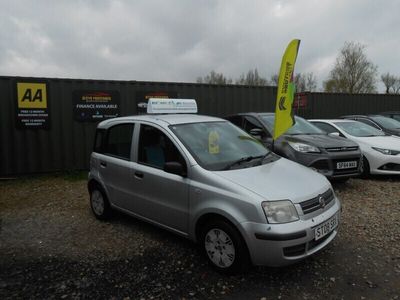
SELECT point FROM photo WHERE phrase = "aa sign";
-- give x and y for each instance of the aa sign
(31, 95)
(32, 106)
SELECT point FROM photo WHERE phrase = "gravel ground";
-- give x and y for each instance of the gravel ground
(52, 247)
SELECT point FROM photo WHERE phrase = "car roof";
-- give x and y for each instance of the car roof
(331, 120)
(161, 119)
(252, 113)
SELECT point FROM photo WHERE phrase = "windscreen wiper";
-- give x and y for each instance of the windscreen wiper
(244, 159)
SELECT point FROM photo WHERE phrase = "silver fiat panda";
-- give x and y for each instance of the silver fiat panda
(205, 179)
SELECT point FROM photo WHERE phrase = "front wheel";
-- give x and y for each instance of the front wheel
(365, 169)
(225, 248)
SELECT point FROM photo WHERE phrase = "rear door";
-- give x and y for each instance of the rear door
(115, 163)
(157, 195)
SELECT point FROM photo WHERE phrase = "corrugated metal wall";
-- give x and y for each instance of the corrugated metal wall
(330, 105)
(68, 143)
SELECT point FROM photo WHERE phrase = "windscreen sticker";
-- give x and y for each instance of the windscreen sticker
(213, 142)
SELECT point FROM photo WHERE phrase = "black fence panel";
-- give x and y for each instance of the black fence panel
(67, 144)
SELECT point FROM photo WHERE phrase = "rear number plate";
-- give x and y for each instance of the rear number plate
(346, 165)
(326, 227)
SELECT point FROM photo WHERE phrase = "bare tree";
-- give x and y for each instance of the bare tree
(391, 83)
(353, 72)
(252, 78)
(214, 78)
(302, 81)
(275, 79)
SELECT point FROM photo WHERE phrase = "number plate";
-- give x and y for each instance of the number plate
(346, 164)
(326, 227)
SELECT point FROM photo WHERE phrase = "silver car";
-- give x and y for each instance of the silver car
(207, 180)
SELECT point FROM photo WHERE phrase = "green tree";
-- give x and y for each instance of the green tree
(353, 72)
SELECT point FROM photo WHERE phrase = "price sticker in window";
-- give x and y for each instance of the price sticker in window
(213, 142)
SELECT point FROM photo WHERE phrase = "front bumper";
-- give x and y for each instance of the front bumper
(383, 164)
(326, 163)
(283, 244)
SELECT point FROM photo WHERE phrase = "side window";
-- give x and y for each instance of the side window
(118, 141)
(252, 123)
(237, 120)
(368, 122)
(325, 127)
(155, 148)
(99, 140)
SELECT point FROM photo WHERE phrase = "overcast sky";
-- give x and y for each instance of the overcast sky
(179, 40)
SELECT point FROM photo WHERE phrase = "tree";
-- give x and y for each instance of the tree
(306, 82)
(252, 78)
(302, 81)
(353, 72)
(391, 82)
(214, 78)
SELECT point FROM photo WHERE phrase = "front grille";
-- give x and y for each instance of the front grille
(342, 149)
(295, 250)
(320, 165)
(299, 250)
(312, 244)
(314, 204)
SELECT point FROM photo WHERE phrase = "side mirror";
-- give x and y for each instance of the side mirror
(257, 133)
(334, 134)
(175, 167)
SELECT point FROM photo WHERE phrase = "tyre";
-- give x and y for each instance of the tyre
(99, 203)
(365, 171)
(225, 248)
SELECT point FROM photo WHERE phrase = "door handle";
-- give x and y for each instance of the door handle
(139, 175)
(103, 164)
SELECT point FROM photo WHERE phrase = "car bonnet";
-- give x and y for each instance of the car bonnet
(278, 180)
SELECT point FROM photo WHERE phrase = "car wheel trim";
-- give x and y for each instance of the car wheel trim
(97, 202)
(219, 248)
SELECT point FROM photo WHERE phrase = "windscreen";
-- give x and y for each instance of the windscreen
(386, 122)
(358, 129)
(300, 127)
(217, 145)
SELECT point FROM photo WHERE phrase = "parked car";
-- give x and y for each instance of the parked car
(387, 125)
(380, 151)
(391, 114)
(207, 180)
(332, 156)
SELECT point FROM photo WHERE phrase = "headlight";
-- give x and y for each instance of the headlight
(300, 147)
(386, 151)
(280, 211)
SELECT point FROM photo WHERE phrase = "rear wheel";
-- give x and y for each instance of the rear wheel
(99, 203)
(224, 247)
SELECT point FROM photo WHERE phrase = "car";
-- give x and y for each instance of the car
(332, 156)
(387, 125)
(380, 151)
(391, 114)
(205, 179)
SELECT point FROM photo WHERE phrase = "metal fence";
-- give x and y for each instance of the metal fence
(67, 143)
(64, 140)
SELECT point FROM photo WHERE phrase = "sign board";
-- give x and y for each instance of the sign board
(171, 106)
(95, 105)
(300, 100)
(32, 106)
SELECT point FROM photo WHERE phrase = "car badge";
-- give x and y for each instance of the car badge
(321, 201)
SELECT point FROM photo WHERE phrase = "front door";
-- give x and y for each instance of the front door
(158, 195)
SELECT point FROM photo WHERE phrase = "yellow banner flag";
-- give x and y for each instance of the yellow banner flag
(284, 98)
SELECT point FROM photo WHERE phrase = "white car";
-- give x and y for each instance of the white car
(381, 152)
